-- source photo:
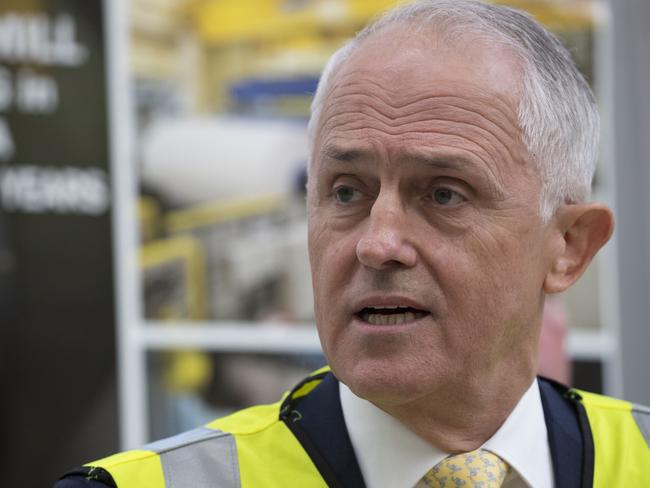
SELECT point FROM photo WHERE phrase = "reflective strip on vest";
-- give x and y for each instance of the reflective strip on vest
(199, 458)
(251, 448)
(642, 416)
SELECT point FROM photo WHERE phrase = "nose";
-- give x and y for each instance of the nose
(385, 241)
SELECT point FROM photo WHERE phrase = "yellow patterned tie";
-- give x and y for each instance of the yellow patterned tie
(476, 469)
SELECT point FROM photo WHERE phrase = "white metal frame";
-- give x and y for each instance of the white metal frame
(608, 276)
(131, 374)
(136, 336)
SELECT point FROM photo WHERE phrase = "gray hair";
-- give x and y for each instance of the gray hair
(557, 112)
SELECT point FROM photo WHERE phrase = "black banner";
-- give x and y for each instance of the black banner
(58, 387)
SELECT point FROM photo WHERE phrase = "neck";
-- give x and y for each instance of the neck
(467, 418)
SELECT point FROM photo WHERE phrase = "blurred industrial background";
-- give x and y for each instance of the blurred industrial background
(153, 259)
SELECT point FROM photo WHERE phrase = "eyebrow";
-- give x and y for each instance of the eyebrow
(342, 155)
(443, 161)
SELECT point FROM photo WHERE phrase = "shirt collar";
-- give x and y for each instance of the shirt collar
(390, 455)
(522, 440)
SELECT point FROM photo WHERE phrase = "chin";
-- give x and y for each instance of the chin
(383, 384)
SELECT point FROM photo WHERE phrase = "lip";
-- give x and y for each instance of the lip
(366, 327)
(387, 301)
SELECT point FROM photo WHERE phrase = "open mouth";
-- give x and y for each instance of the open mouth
(390, 315)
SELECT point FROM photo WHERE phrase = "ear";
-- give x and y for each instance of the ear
(583, 229)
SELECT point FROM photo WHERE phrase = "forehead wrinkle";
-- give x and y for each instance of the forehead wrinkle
(501, 120)
(446, 109)
(396, 130)
(338, 86)
(481, 141)
(400, 97)
(389, 113)
(450, 128)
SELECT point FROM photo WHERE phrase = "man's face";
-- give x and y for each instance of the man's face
(428, 256)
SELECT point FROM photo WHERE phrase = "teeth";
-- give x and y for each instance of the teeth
(390, 319)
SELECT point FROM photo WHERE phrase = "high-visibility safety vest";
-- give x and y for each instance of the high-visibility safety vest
(256, 447)
(620, 432)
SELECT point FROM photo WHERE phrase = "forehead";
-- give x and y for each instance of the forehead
(422, 58)
(409, 90)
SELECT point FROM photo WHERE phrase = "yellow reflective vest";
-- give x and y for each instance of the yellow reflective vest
(621, 437)
(257, 447)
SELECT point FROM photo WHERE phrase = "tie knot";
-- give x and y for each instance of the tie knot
(476, 469)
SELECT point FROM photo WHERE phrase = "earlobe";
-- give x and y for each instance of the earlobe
(584, 229)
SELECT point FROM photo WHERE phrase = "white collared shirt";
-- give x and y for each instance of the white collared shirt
(391, 456)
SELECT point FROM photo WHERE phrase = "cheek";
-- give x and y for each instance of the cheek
(504, 277)
(318, 233)
(480, 269)
(332, 258)
(503, 241)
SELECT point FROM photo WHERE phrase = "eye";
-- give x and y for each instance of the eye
(447, 196)
(346, 194)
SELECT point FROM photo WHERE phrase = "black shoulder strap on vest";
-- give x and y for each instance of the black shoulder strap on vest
(316, 420)
(292, 398)
(587, 439)
(569, 435)
(291, 416)
(324, 469)
(96, 476)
